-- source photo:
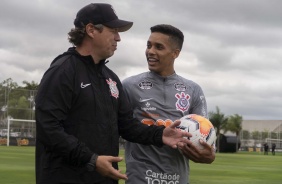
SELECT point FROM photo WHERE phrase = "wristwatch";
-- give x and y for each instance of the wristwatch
(91, 165)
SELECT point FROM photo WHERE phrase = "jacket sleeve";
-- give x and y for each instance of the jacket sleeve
(53, 103)
(132, 129)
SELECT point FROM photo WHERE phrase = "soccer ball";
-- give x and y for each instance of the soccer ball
(200, 128)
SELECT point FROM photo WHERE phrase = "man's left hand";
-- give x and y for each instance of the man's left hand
(174, 137)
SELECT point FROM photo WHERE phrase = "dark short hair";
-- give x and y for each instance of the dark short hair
(176, 36)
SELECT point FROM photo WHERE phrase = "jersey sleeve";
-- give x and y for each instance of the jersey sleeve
(199, 102)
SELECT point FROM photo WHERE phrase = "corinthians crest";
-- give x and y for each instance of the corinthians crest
(113, 87)
(182, 103)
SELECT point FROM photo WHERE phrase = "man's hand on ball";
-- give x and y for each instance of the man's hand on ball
(197, 155)
(173, 137)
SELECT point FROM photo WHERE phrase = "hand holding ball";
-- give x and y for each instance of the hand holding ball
(200, 128)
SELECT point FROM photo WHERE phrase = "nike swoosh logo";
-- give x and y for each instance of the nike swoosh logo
(145, 100)
(84, 85)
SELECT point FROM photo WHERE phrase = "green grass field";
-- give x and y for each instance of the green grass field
(17, 167)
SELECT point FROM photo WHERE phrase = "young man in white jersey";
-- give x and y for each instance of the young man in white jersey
(160, 97)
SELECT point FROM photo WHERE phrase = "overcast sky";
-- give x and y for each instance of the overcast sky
(232, 48)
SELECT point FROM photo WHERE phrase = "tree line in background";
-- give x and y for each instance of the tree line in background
(18, 102)
(223, 123)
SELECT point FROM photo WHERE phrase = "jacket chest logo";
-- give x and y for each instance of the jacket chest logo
(113, 88)
(182, 103)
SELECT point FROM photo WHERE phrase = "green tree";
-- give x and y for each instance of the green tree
(234, 125)
(17, 101)
(256, 135)
(246, 134)
(5, 88)
(18, 105)
(273, 135)
(30, 85)
(3, 100)
(265, 134)
(219, 121)
(10, 84)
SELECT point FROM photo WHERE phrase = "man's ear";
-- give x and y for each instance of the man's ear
(90, 30)
(176, 53)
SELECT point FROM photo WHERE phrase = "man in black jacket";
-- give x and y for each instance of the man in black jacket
(81, 109)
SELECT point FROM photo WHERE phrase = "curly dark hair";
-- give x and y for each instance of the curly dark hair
(76, 35)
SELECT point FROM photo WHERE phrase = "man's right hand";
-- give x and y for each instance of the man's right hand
(205, 155)
(105, 168)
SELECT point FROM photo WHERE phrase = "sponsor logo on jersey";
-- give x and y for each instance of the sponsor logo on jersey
(182, 102)
(145, 84)
(148, 107)
(180, 87)
(113, 87)
(161, 178)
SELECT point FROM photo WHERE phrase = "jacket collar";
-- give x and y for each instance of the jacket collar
(87, 59)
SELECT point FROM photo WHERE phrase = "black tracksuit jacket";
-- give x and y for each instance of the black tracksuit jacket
(79, 112)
